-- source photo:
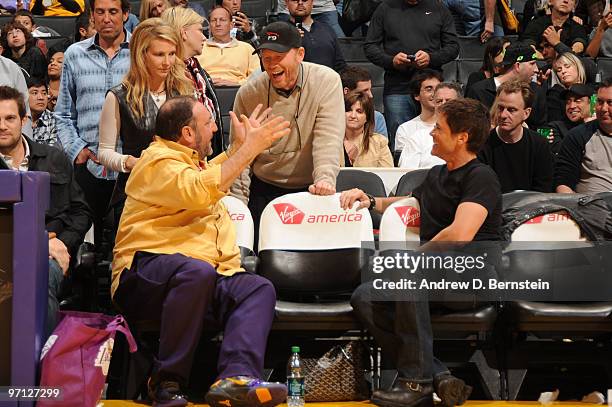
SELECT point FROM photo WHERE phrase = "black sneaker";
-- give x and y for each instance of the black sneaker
(244, 391)
(166, 394)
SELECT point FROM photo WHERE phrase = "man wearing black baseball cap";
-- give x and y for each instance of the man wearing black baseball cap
(577, 111)
(309, 96)
(519, 63)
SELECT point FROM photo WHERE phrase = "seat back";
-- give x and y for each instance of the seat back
(410, 181)
(310, 247)
(401, 222)
(243, 221)
(368, 182)
(552, 227)
(352, 49)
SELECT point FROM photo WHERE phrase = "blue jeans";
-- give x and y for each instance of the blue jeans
(331, 19)
(469, 13)
(398, 109)
(56, 276)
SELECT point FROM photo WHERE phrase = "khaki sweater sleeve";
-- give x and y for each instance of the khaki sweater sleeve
(328, 132)
(241, 186)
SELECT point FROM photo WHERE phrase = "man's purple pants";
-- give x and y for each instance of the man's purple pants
(185, 295)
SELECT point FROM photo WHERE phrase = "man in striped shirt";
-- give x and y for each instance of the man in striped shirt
(91, 68)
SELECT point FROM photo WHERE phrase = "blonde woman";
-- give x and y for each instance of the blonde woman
(156, 72)
(568, 70)
(152, 8)
(188, 24)
(363, 147)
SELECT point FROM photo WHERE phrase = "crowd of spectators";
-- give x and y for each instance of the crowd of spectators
(87, 108)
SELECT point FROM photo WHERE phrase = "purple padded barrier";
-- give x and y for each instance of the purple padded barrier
(30, 273)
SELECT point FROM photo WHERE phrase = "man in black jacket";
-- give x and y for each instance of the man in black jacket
(68, 217)
(404, 37)
(584, 163)
(318, 39)
(520, 157)
(519, 63)
(577, 111)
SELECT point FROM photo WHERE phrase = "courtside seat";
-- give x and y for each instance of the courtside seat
(226, 96)
(544, 246)
(449, 71)
(63, 25)
(255, 8)
(604, 65)
(465, 67)
(410, 181)
(311, 250)
(367, 181)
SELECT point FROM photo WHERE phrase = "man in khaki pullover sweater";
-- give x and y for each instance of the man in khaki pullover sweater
(309, 96)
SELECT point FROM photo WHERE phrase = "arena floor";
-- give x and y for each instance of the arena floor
(471, 403)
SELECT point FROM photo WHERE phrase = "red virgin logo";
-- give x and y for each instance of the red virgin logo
(409, 215)
(289, 214)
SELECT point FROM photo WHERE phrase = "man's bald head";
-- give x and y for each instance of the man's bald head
(173, 115)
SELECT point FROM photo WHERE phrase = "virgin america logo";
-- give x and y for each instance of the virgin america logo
(409, 215)
(289, 214)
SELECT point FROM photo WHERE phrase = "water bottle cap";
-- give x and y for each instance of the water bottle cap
(295, 349)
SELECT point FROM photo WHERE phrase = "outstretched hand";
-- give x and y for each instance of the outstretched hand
(259, 135)
(256, 119)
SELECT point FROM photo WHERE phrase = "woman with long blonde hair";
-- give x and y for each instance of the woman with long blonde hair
(568, 69)
(156, 72)
(152, 8)
(188, 24)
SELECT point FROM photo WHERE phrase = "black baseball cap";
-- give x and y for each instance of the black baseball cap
(519, 52)
(279, 36)
(579, 89)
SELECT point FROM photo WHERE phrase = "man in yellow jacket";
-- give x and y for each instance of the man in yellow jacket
(176, 259)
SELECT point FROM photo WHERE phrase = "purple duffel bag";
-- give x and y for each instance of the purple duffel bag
(77, 355)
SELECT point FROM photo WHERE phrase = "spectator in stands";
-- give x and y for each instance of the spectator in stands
(419, 143)
(152, 8)
(12, 75)
(491, 61)
(323, 11)
(470, 16)
(583, 164)
(84, 27)
(459, 202)
(189, 24)
(229, 62)
(422, 89)
(519, 63)
(310, 96)
(601, 39)
(318, 39)
(54, 71)
(68, 217)
(20, 46)
(358, 80)
(404, 37)
(520, 157)
(131, 22)
(577, 100)
(195, 264)
(43, 122)
(363, 147)
(129, 111)
(567, 71)
(65, 8)
(101, 60)
(185, 4)
(558, 29)
(25, 18)
(244, 28)
(589, 12)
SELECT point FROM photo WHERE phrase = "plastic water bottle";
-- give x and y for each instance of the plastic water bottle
(295, 379)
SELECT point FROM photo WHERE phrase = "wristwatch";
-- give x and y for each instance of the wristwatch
(372, 201)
